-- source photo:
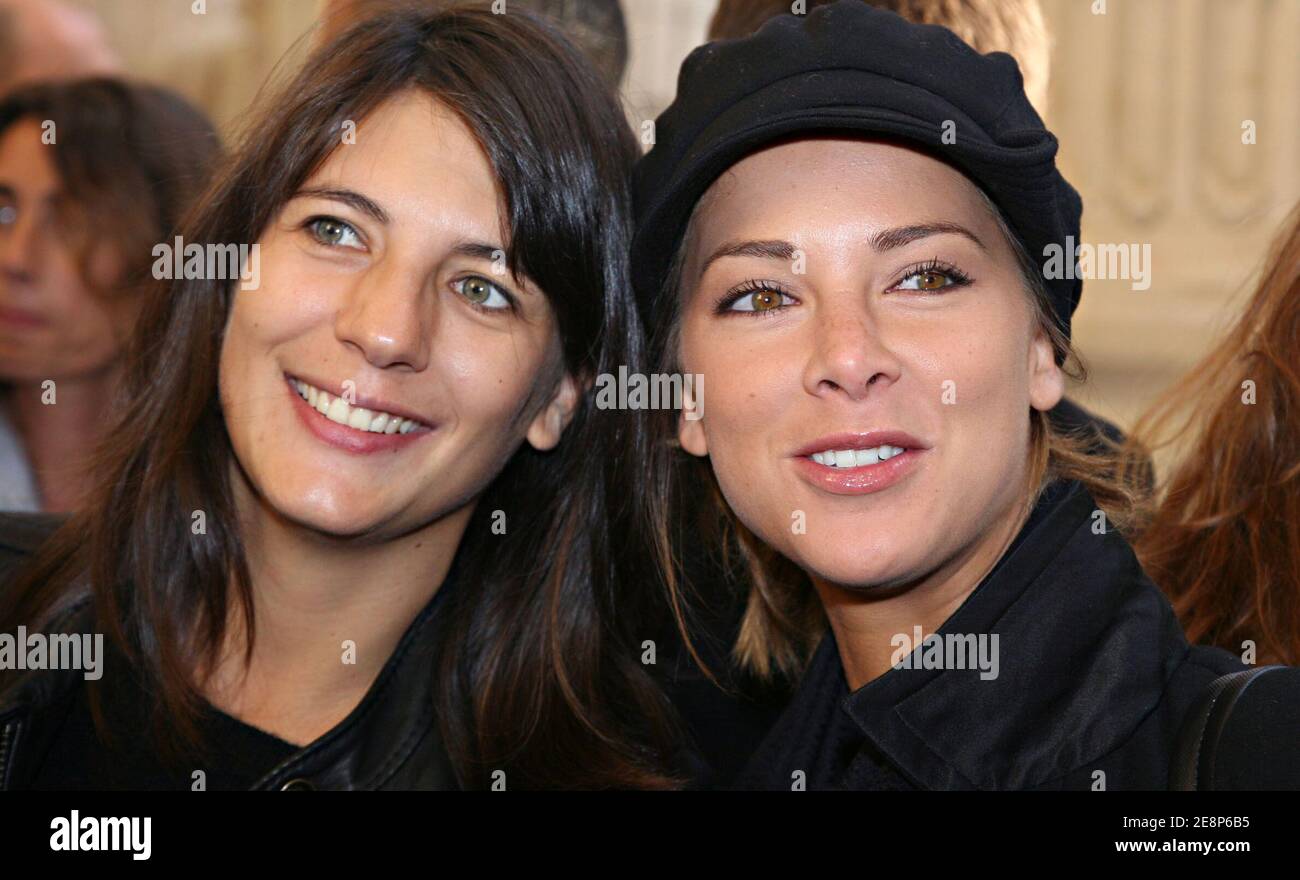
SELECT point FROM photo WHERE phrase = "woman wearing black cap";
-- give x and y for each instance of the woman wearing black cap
(844, 243)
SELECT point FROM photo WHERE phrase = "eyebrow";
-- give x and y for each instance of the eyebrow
(479, 250)
(884, 240)
(349, 197)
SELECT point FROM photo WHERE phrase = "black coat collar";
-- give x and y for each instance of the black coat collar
(1086, 646)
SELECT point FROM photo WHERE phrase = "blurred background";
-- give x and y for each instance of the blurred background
(1148, 99)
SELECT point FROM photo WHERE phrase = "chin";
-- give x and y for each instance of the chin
(329, 511)
(859, 568)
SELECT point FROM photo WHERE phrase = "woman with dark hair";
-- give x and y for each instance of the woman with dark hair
(352, 528)
(93, 174)
(845, 247)
(1223, 536)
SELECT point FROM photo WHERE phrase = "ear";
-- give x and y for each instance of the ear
(690, 430)
(548, 425)
(1046, 380)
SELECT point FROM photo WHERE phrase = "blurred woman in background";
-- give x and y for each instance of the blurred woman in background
(94, 174)
(1223, 540)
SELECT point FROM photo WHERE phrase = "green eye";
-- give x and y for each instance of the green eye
(332, 232)
(482, 293)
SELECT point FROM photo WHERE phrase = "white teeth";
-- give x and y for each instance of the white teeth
(847, 458)
(360, 418)
(339, 410)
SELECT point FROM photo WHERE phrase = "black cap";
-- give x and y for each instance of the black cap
(851, 68)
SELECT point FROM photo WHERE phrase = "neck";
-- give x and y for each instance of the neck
(865, 623)
(328, 613)
(60, 436)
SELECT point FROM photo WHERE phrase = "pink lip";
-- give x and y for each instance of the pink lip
(859, 480)
(351, 439)
(20, 317)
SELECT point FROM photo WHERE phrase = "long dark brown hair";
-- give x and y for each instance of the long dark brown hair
(1223, 538)
(537, 673)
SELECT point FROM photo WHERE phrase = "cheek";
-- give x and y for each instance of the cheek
(89, 332)
(743, 387)
(980, 383)
(495, 381)
(747, 393)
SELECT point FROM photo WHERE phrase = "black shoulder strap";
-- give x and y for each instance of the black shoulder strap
(1195, 750)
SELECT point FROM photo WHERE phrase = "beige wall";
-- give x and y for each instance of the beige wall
(1148, 100)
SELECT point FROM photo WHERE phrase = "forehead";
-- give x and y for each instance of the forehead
(416, 156)
(834, 188)
(26, 163)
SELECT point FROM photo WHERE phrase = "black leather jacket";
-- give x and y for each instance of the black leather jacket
(389, 741)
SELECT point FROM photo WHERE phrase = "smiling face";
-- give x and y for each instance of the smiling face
(387, 367)
(846, 300)
(52, 324)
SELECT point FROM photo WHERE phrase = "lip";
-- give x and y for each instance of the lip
(20, 317)
(351, 439)
(859, 480)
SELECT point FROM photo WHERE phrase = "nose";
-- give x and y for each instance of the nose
(849, 355)
(387, 317)
(19, 245)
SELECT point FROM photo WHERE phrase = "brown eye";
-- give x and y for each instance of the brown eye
(762, 299)
(931, 279)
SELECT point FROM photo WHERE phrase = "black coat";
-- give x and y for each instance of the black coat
(1094, 680)
(389, 741)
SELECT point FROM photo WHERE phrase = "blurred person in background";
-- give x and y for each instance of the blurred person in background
(1012, 26)
(47, 40)
(1223, 539)
(93, 174)
(596, 27)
